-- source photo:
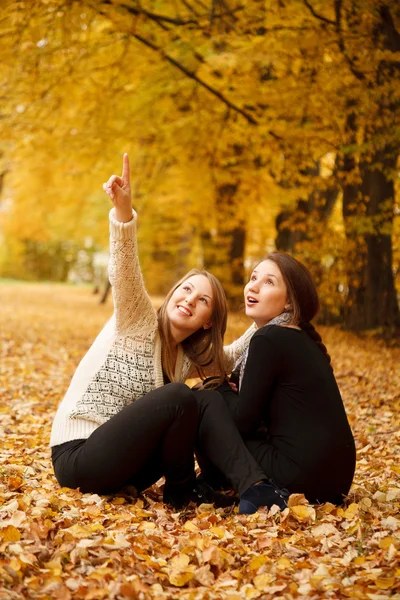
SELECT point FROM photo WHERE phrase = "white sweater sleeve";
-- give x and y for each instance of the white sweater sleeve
(132, 305)
(234, 350)
(231, 354)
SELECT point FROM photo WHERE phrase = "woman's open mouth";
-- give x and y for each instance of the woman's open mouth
(184, 311)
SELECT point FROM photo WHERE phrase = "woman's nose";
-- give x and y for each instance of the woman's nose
(190, 299)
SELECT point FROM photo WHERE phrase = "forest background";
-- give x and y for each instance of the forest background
(250, 125)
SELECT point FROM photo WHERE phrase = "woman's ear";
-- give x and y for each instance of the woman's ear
(207, 325)
(288, 307)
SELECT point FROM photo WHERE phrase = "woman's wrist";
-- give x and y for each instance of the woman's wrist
(123, 215)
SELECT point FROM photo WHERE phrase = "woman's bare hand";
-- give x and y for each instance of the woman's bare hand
(119, 190)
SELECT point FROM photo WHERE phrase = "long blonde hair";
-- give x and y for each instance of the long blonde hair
(205, 346)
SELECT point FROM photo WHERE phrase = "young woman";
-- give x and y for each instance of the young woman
(127, 417)
(288, 408)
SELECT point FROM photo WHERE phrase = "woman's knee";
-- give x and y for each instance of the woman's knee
(210, 404)
(182, 395)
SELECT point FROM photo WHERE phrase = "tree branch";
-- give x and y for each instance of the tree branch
(159, 18)
(392, 35)
(338, 26)
(316, 15)
(193, 76)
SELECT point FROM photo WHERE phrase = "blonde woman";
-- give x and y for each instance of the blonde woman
(127, 417)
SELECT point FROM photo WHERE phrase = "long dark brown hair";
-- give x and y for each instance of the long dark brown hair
(205, 346)
(302, 294)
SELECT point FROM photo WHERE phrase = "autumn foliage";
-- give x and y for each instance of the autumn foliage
(61, 544)
(250, 125)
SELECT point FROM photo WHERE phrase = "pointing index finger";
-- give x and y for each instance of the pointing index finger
(125, 168)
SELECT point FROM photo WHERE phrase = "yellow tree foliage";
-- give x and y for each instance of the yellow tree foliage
(226, 109)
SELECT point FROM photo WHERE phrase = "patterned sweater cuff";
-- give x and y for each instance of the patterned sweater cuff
(122, 231)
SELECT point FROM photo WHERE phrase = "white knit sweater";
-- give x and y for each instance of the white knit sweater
(124, 362)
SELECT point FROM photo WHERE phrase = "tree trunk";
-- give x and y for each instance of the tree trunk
(226, 259)
(368, 212)
(306, 221)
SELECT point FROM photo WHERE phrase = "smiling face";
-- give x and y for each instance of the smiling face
(190, 307)
(266, 294)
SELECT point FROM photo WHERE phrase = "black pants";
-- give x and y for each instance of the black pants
(221, 452)
(152, 437)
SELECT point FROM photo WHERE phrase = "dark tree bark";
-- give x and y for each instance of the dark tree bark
(225, 257)
(368, 202)
(106, 291)
(368, 210)
(306, 221)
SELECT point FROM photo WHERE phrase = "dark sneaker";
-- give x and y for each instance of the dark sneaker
(262, 494)
(217, 482)
(199, 493)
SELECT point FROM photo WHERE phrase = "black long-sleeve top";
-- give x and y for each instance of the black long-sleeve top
(289, 387)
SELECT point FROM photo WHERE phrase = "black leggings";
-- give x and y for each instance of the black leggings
(156, 436)
(152, 437)
(220, 449)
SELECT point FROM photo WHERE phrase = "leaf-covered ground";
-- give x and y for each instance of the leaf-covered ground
(58, 543)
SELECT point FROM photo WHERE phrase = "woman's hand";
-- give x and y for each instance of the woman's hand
(119, 190)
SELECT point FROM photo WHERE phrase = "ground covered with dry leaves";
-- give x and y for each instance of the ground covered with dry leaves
(58, 543)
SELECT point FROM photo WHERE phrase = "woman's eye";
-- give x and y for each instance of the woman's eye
(203, 300)
(253, 278)
(270, 281)
(186, 288)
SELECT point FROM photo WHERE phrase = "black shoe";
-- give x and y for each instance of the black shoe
(262, 494)
(218, 482)
(199, 493)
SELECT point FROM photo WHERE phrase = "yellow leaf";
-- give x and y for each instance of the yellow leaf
(250, 592)
(14, 483)
(15, 564)
(212, 554)
(315, 581)
(78, 531)
(296, 499)
(328, 507)
(303, 514)
(257, 562)
(262, 581)
(384, 583)
(10, 534)
(283, 563)
(180, 562)
(190, 526)
(118, 501)
(351, 511)
(146, 525)
(180, 578)
(387, 541)
(54, 566)
(218, 531)
(204, 575)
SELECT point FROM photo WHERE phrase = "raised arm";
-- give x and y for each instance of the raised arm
(132, 305)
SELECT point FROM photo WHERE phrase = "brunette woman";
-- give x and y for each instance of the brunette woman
(288, 407)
